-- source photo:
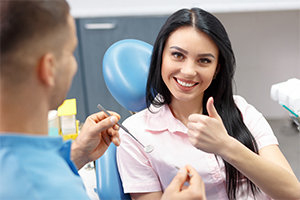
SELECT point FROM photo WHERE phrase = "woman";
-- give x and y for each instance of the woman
(194, 118)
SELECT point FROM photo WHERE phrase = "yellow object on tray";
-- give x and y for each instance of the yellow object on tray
(67, 116)
(68, 107)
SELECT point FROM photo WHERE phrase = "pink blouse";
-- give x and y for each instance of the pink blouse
(141, 172)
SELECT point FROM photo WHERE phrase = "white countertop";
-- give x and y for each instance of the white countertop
(109, 8)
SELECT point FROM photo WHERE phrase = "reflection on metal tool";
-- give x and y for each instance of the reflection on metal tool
(147, 149)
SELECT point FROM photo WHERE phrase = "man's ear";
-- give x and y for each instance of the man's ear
(46, 69)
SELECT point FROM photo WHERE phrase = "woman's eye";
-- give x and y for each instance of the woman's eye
(177, 55)
(204, 61)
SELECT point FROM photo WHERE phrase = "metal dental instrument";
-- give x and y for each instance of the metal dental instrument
(189, 174)
(147, 149)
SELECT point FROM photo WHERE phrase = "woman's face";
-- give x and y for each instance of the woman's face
(189, 62)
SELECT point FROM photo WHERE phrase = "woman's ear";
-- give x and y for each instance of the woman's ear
(46, 69)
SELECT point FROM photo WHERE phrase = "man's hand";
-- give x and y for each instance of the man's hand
(176, 190)
(98, 131)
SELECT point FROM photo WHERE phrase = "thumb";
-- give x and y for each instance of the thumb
(105, 124)
(212, 112)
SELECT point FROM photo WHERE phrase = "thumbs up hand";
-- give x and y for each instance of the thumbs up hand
(208, 133)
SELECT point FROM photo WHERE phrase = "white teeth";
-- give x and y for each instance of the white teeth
(185, 84)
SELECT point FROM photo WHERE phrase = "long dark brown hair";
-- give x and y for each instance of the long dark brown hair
(220, 88)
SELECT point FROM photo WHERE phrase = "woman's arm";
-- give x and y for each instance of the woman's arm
(269, 170)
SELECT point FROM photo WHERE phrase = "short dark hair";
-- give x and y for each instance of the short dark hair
(220, 88)
(28, 28)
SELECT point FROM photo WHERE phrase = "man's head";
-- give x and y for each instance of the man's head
(37, 40)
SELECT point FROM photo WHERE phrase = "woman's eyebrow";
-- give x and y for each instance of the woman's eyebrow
(180, 49)
(199, 55)
(206, 55)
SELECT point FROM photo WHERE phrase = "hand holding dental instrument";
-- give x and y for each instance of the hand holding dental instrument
(147, 149)
(189, 174)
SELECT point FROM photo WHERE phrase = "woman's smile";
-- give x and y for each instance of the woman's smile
(185, 85)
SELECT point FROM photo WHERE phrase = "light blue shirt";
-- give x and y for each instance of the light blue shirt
(37, 167)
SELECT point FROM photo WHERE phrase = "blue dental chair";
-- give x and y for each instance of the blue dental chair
(125, 70)
(109, 185)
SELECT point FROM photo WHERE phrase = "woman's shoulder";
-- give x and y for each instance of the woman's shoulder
(148, 115)
(239, 100)
(137, 117)
(243, 105)
(256, 123)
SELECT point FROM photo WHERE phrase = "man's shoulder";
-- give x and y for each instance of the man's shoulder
(37, 176)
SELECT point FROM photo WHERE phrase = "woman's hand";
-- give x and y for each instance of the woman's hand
(208, 133)
(177, 190)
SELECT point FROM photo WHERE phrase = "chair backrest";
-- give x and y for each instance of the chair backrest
(125, 70)
(109, 185)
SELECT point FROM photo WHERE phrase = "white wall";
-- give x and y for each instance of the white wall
(267, 50)
(104, 8)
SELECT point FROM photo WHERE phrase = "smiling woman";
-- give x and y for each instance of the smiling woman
(194, 118)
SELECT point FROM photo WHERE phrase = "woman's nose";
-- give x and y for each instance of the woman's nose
(188, 69)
